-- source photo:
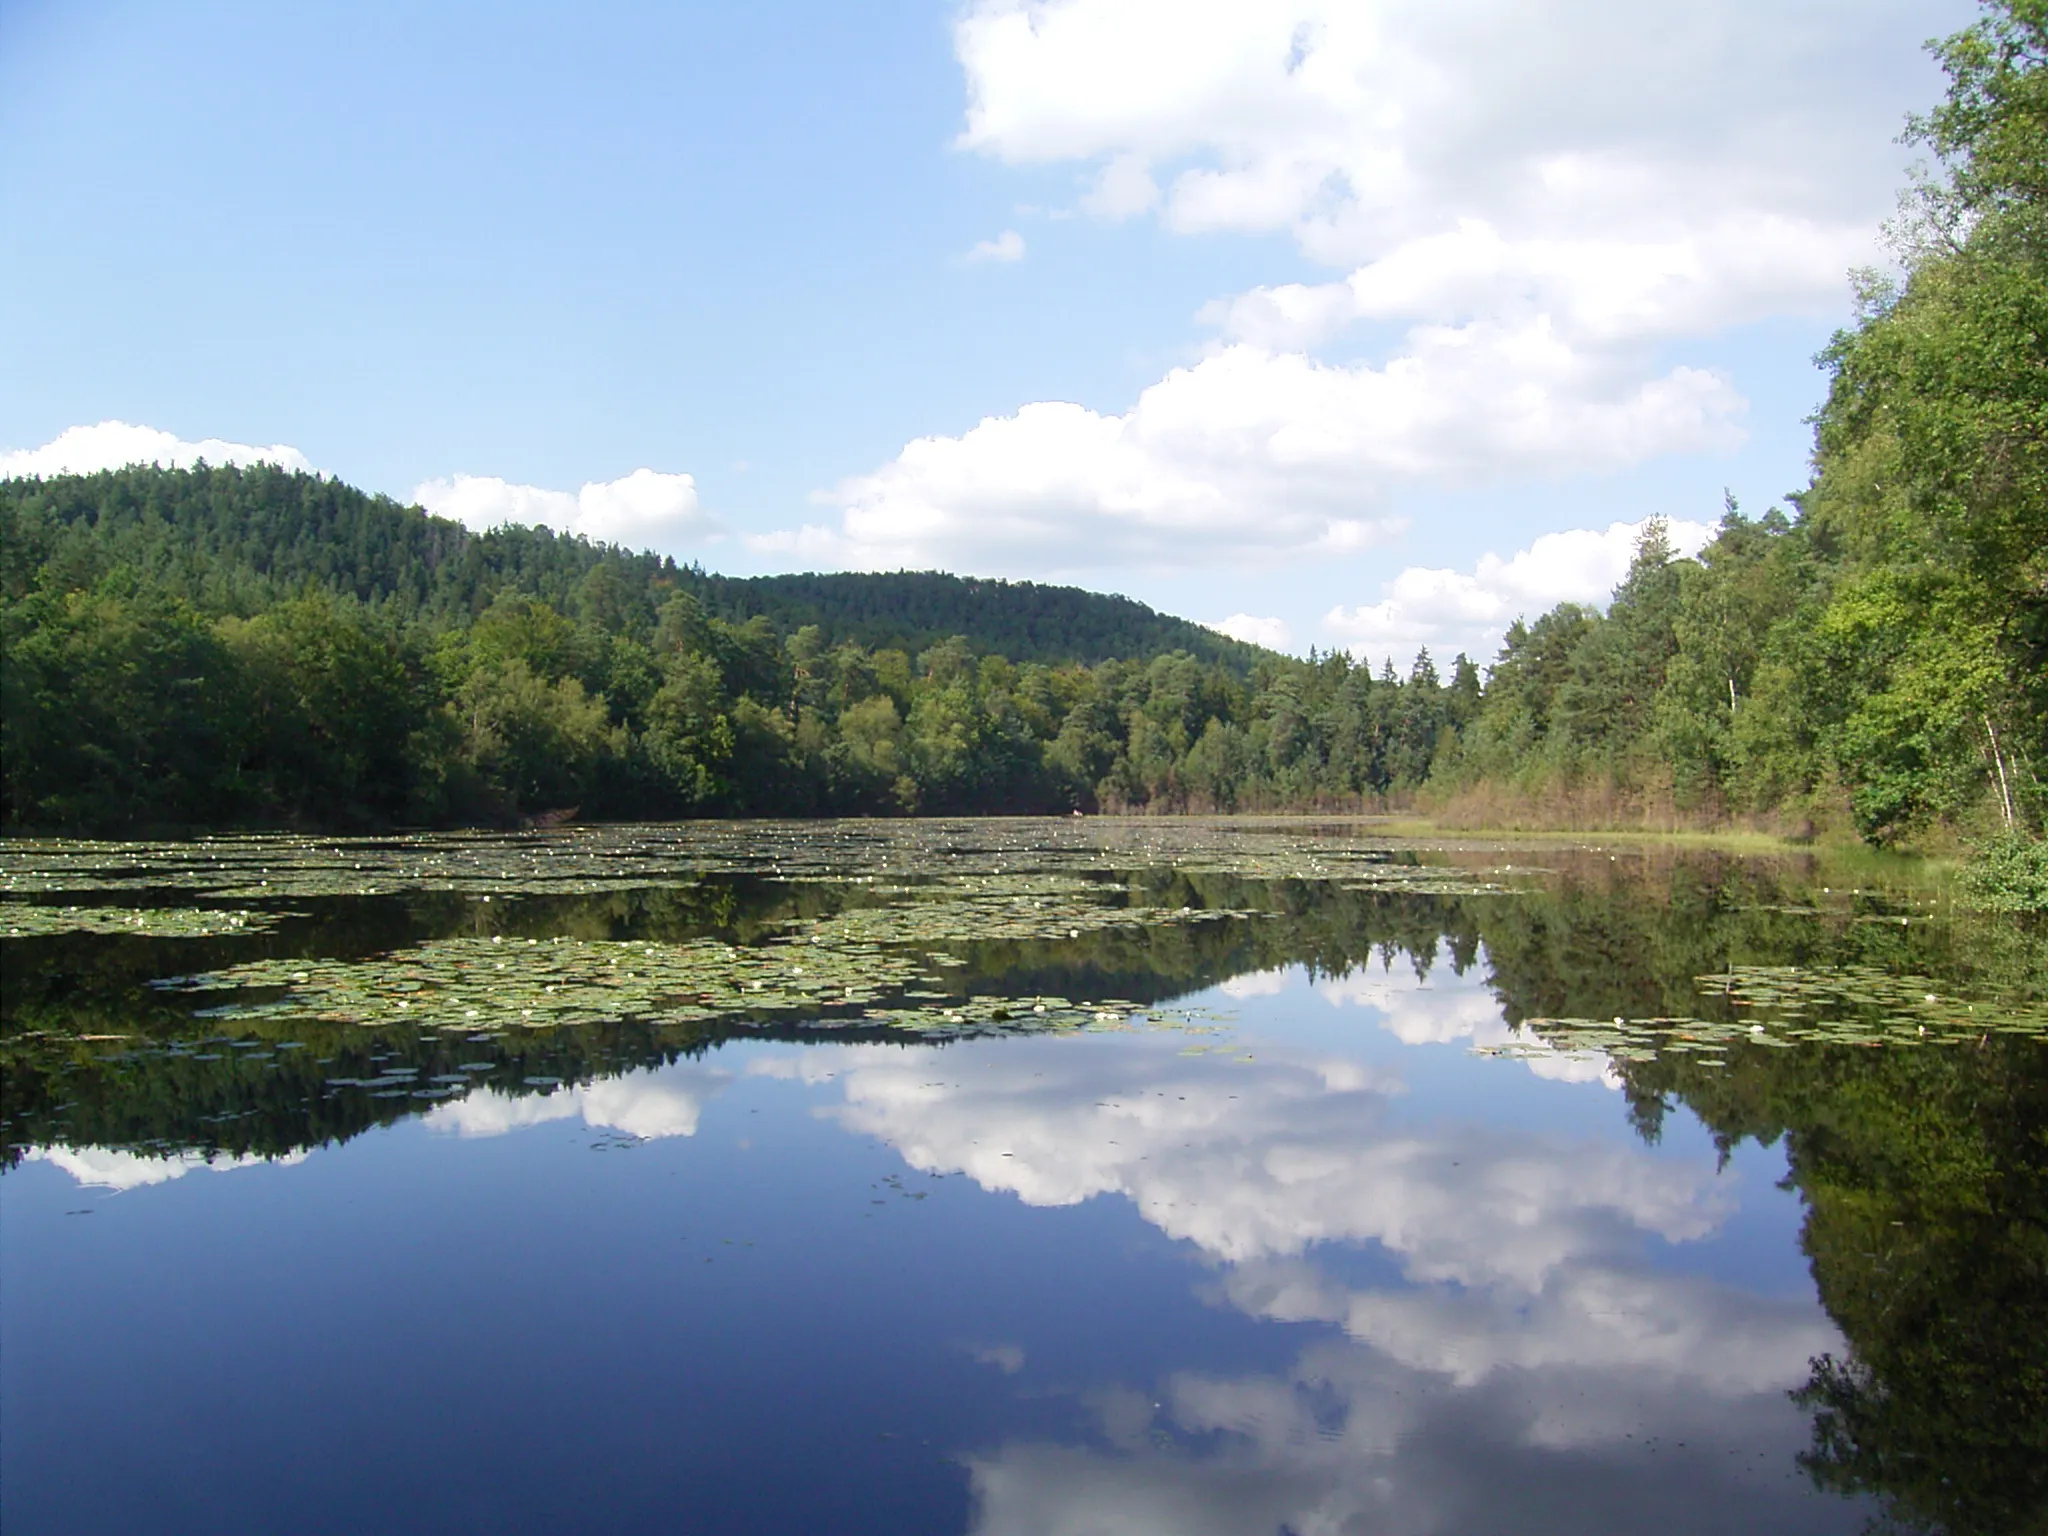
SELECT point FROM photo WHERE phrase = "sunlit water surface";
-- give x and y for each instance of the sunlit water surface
(1290, 1255)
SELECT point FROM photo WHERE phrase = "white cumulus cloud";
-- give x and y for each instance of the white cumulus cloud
(1601, 292)
(86, 450)
(1534, 206)
(643, 510)
(1253, 630)
(1257, 456)
(1008, 246)
(1360, 127)
(1468, 611)
(1123, 189)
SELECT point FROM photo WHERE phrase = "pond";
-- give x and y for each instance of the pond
(1014, 1177)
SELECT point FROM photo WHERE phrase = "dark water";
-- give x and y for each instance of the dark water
(1286, 1220)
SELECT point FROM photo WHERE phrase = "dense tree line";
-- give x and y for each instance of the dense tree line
(128, 706)
(1887, 648)
(251, 646)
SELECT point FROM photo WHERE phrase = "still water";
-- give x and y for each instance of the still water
(1013, 1177)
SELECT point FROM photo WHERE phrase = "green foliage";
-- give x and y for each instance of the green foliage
(2008, 874)
(119, 708)
(1023, 621)
(1933, 463)
(1890, 645)
(169, 663)
(335, 713)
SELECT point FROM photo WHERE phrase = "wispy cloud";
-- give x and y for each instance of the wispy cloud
(1008, 246)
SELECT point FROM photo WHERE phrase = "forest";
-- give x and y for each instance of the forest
(223, 647)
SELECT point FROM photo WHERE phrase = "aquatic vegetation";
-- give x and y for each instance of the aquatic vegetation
(569, 954)
(1784, 1006)
(21, 919)
(841, 966)
(984, 907)
(1864, 1004)
(259, 866)
(576, 860)
(489, 984)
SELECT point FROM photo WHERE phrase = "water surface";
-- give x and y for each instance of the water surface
(1013, 1177)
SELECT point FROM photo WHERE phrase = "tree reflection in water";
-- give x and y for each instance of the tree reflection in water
(1923, 1172)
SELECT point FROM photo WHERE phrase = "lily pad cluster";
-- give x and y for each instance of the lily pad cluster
(21, 919)
(1621, 1039)
(845, 965)
(257, 867)
(1425, 879)
(968, 908)
(998, 1015)
(590, 859)
(1861, 1003)
(1787, 1005)
(490, 984)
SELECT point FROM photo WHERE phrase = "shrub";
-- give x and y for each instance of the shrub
(2009, 873)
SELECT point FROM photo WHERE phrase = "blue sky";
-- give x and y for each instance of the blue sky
(1309, 308)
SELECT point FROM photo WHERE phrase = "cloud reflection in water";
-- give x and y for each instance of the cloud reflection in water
(112, 1168)
(657, 1102)
(1545, 1353)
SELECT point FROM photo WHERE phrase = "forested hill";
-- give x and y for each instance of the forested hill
(1022, 620)
(237, 541)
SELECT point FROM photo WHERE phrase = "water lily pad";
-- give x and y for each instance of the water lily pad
(21, 919)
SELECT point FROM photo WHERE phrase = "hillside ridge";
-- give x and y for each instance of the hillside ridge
(235, 540)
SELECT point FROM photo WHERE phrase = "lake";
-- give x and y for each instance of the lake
(1014, 1177)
